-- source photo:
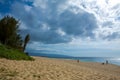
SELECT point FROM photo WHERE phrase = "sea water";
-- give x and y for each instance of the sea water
(111, 60)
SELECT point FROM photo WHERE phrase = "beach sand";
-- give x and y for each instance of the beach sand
(56, 69)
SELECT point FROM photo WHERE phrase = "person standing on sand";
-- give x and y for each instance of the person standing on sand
(106, 61)
(78, 60)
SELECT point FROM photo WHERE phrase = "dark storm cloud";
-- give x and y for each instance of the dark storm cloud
(50, 37)
(71, 24)
(46, 36)
(75, 25)
(81, 24)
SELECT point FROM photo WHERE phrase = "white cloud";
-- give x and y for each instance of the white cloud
(40, 3)
(22, 26)
(113, 2)
(45, 27)
(27, 8)
(99, 44)
(61, 32)
(105, 11)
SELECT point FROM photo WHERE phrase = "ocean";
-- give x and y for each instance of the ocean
(111, 60)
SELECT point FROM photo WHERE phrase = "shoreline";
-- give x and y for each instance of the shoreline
(77, 58)
(56, 69)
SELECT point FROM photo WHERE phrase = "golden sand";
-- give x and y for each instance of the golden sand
(56, 69)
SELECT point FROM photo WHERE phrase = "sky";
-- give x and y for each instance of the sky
(79, 28)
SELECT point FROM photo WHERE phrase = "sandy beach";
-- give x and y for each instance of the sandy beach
(56, 69)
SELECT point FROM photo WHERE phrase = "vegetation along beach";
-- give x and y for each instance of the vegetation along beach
(59, 39)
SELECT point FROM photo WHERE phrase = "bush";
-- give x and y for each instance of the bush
(13, 54)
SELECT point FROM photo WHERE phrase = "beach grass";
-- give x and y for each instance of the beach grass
(13, 54)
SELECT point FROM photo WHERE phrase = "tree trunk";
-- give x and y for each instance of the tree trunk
(24, 47)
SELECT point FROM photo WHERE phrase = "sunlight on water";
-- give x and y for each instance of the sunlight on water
(118, 59)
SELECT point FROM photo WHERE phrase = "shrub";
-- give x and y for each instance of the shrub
(13, 54)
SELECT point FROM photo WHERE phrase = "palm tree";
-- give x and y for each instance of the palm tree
(26, 40)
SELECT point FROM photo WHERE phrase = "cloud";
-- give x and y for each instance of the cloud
(80, 26)
(59, 21)
(75, 24)
(107, 15)
(115, 35)
(48, 22)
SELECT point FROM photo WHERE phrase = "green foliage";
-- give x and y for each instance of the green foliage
(9, 33)
(27, 38)
(9, 36)
(13, 54)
